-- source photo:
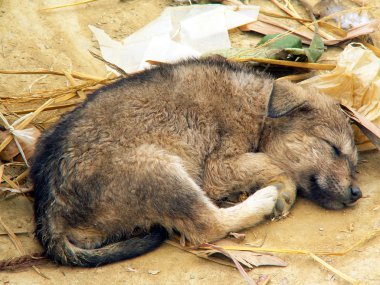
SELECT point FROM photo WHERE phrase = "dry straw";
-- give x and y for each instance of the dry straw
(18, 245)
(46, 100)
(59, 98)
(67, 5)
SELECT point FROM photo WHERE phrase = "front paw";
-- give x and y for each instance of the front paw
(285, 201)
(264, 201)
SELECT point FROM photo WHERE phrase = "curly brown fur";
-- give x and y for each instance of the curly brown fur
(155, 150)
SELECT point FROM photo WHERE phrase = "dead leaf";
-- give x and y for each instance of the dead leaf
(366, 126)
(250, 259)
(246, 258)
(256, 259)
(237, 264)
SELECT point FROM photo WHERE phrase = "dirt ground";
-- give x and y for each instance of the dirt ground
(30, 39)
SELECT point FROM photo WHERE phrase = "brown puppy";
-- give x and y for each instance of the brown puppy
(150, 153)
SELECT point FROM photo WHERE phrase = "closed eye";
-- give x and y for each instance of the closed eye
(336, 150)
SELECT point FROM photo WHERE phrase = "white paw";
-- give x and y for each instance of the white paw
(264, 200)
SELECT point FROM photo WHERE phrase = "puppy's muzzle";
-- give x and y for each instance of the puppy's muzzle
(355, 193)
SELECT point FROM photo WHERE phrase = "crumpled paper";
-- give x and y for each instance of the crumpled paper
(179, 32)
(355, 82)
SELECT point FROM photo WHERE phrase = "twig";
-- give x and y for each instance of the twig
(67, 5)
(375, 50)
(308, 65)
(16, 191)
(1, 172)
(21, 176)
(70, 78)
(275, 15)
(10, 182)
(16, 242)
(334, 270)
(52, 107)
(110, 64)
(57, 92)
(18, 245)
(295, 77)
(76, 75)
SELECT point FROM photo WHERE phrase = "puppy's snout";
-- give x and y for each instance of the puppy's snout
(355, 193)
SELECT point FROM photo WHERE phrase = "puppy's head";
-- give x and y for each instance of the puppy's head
(308, 135)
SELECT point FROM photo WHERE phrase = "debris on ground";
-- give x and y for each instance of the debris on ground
(326, 8)
(355, 82)
(180, 32)
(199, 30)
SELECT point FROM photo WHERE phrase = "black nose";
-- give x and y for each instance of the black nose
(356, 194)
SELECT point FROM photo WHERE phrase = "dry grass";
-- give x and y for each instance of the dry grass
(65, 98)
(43, 101)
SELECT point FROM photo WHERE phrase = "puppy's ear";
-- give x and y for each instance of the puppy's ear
(286, 98)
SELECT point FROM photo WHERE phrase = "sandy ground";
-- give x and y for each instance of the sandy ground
(60, 39)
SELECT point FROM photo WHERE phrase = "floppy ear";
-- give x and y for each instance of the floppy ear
(285, 99)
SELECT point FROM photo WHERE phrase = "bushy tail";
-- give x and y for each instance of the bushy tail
(65, 252)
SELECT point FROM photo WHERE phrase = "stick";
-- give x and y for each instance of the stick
(308, 65)
(21, 176)
(334, 270)
(110, 64)
(76, 75)
(53, 107)
(275, 15)
(295, 77)
(67, 5)
(18, 245)
(10, 182)
(70, 78)
(16, 242)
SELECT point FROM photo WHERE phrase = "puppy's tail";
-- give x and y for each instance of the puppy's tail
(65, 252)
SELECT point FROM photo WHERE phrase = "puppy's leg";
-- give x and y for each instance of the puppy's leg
(242, 173)
(200, 220)
(177, 202)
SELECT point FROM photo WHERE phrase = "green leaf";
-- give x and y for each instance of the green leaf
(288, 41)
(316, 49)
(287, 47)
(317, 42)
